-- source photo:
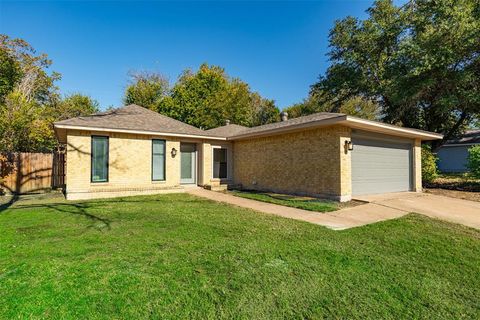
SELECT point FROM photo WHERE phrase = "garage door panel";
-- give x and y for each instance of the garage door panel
(380, 166)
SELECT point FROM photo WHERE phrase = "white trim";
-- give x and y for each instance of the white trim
(408, 131)
(348, 121)
(153, 133)
(228, 162)
(345, 120)
(294, 127)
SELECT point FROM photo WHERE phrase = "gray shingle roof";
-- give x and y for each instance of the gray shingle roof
(471, 136)
(290, 123)
(133, 117)
(226, 131)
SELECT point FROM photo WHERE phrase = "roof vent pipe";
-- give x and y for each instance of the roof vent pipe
(284, 116)
(227, 122)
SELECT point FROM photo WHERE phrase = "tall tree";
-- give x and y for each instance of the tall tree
(25, 71)
(419, 61)
(194, 95)
(264, 111)
(355, 106)
(205, 98)
(74, 105)
(146, 89)
(29, 100)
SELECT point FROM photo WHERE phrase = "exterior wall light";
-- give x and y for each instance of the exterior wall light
(348, 145)
(174, 152)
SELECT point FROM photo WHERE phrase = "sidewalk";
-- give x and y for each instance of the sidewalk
(337, 220)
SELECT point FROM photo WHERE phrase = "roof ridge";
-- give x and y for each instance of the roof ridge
(226, 125)
(162, 115)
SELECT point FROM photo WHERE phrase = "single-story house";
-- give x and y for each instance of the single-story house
(452, 156)
(133, 150)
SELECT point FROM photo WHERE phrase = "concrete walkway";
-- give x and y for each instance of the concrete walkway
(434, 206)
(378, 208)
(338, 220)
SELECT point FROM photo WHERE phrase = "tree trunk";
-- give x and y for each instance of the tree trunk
(438, 143)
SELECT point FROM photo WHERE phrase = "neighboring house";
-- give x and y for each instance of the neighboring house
(452, 156)
(133, 150)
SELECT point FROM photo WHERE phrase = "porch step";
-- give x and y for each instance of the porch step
(221, 187)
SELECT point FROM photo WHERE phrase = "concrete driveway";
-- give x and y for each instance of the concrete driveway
(379, 208)
(446, 208)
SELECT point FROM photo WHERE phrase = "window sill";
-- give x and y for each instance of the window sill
(106, 183)
(220, 180)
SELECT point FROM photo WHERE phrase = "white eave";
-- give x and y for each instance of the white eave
(143, 132)
(375, 126)
(349, 121)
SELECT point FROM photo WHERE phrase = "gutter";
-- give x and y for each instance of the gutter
(290, 128)
(349, 121)
(359, 123)
(144, 132)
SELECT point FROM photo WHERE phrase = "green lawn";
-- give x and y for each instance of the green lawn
(305, 203)
(177, 256)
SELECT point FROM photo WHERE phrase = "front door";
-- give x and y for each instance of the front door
(188, 159)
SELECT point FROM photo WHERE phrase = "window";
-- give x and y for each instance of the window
(220, 163)
(158, 160)
(99, 159)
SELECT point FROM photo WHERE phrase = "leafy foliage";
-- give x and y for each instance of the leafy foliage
(24, 71)
(420, 62)
(429, 164)
(147, 90)
(473, 161)
(30, 101)
(205, 98)
(74, 105)
(355, 106)
(24, 125)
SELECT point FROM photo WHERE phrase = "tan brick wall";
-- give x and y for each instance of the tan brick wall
(130, 163)
(345, 165)
(307, 162)
(207, 163)
(417, 165)
(207, 159)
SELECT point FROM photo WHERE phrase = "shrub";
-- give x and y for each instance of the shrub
(473, 161)
(429, 164)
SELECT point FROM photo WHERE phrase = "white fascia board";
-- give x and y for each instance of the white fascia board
(369, 125)
(152, 133)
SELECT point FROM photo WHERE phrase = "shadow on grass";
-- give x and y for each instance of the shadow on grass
(81, 208)
(285, 197)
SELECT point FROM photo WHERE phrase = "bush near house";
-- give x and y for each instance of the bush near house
(429, 164)
(473, 161)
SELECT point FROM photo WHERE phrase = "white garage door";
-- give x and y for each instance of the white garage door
(380, 166)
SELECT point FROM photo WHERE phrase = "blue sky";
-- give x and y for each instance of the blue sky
(277, 47)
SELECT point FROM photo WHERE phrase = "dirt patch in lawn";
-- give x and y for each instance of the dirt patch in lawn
(458, 182)
(466, 195)
(462, 186)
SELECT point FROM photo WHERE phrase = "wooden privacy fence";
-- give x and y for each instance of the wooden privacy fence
(31, 172)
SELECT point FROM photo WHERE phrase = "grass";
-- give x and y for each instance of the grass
(305, 203)
(177, 256)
